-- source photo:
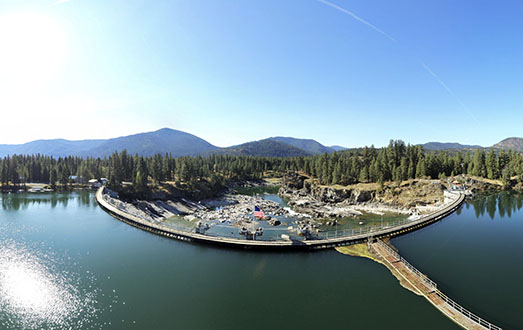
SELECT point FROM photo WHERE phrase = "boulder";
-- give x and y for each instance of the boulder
(293, 181)
(361, 196)
(275, 222)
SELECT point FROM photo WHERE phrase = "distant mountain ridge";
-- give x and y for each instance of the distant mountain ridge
(179, 143)
(338, 148)
(309, 145)
(162, 141)
(166, 140)
(437, 146)
(513, 143)
(266, 148)
(56, 147)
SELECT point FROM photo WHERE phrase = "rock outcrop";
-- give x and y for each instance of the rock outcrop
(299, 185)
(307, 196)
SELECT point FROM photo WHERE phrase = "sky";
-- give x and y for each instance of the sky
(342, 72)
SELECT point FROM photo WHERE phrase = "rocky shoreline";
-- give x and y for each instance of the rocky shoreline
(414, 198)
(230, 208)
(308, 202)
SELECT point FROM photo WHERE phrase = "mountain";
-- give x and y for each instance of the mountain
(337, 148)
(56, 148)
(513, 143)
(267, 148)
(165, 140)
(309, 145)
(436, 146)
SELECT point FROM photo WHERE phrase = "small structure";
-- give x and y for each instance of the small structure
(251, 233)
(104, 181)
(457, 186)
(305, 229)
(94, 183)
(201, 227)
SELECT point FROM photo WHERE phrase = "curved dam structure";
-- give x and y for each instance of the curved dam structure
(310, 244)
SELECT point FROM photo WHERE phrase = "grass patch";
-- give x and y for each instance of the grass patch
(358, 250)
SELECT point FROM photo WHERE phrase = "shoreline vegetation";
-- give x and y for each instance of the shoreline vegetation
(201, 177)
(399, 178)
(194, 187)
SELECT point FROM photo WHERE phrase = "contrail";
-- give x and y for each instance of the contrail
(447, 88)
(426, 67)
(356, 17)
(438, 79)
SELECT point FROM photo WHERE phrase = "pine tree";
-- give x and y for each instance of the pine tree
(140, 179)
(479, 168)
(420, 168)
(53, 177)
(492, 165)
(336, 174)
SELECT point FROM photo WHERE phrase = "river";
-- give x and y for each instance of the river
(65, 263)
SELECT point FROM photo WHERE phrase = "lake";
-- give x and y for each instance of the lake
(65, 263)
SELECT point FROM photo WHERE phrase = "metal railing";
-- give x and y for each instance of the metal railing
(471, 316)
(395, 224)
(386, 227)
(427, 281)
(362, 230)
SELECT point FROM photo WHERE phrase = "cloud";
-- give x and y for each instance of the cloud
(356, 17)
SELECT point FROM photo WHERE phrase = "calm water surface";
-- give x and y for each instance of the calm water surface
(65, 263)
(476, 257)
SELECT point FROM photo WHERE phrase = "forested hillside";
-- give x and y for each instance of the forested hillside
(396, 162)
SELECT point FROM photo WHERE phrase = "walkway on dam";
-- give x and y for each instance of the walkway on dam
(426, 287)
(342, 239)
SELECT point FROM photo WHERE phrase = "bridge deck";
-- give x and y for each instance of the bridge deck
(428, 289)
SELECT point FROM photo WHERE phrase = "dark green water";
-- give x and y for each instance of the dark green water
(476, 257)
(64, 263)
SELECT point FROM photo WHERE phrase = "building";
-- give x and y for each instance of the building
(94, 183)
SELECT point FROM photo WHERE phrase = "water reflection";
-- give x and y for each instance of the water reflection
(505, 203)
(15, 202)
(34, 295)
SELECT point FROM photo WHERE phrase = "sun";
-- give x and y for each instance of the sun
(33, 47)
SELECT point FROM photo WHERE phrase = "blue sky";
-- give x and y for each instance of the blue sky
(235, 71)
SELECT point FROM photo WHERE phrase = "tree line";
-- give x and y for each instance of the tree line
(396, 162)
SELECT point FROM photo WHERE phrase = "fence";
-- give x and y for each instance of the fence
(427, 281)
(471, 316)
(326, 235)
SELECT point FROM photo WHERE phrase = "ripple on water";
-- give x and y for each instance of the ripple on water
(34, 294)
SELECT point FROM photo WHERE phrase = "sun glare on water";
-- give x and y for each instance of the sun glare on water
(32, 295)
